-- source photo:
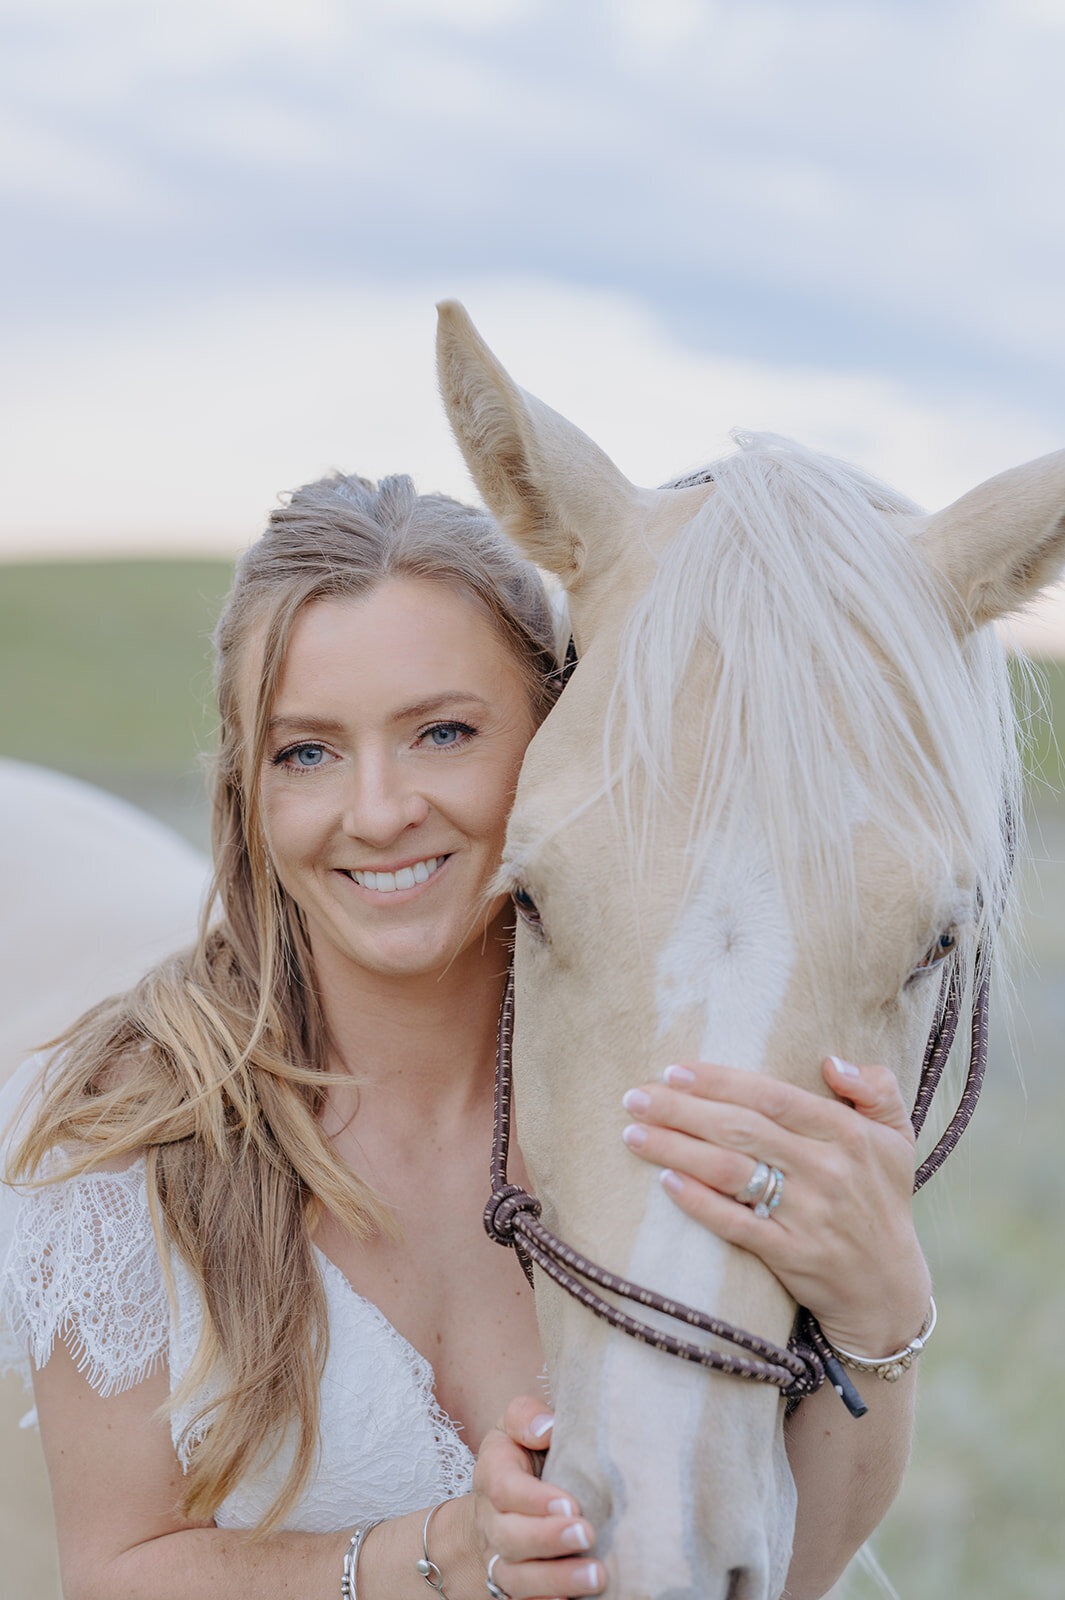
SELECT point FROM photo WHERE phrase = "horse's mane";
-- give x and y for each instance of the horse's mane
(794, 559)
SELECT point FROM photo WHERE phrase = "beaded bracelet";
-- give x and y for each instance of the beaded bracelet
(891, 1368)
(351, 1558)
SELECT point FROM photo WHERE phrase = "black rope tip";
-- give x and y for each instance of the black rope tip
(843, 1386)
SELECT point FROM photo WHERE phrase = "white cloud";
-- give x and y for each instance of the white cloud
(903, 161)
(42, 162)
(193, 21)
(179, 433)
(257, 390)
(473, 14)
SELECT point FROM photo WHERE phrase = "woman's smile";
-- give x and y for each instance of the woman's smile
(390, 881)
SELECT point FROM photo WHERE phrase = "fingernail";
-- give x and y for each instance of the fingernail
(561, 1508)
(634, 1136)
(589, 1577)
(679, 1077)
(846, 1069)
(542, 1424)
(636, 1100)
(669, 1180)
(575, 1537)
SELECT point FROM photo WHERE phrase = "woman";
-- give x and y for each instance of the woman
(286, 1129)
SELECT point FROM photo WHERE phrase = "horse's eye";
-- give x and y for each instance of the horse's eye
(526, 908)
(944, 945)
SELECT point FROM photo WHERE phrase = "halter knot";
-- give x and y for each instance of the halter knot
(502, 1208)
(812, 1378)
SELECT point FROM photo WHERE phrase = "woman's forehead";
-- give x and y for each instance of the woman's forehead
(404, 635)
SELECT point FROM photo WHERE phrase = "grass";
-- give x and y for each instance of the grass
(106, 674)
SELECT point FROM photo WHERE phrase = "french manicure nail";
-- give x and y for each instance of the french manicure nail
(679, 1077)
(589, 1577)
(846, 1069)
(542, 1424)
(669, 1180)
(634, 1136)
(636, 1100)
(575, 1537)
(560, 1508)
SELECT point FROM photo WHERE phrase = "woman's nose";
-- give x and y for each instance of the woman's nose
(382, 803)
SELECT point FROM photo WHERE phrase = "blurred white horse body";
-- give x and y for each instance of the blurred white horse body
(771, 795)
(95, 891)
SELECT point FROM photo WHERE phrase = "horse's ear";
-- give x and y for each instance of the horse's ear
(1002, 542)
(559, 497)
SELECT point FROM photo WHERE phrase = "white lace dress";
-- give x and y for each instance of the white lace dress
(80, 1255)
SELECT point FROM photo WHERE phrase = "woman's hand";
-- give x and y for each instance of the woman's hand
(533, 1527)
(841, 1240)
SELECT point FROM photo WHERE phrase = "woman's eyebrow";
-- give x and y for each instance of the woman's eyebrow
(298, 724)
(436, 702)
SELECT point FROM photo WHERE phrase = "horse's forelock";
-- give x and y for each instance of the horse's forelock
(797, 560)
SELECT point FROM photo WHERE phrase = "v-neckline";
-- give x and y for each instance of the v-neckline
(414, 1356)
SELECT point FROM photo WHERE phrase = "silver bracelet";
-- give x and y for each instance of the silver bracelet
(428, 1569)
(351, 1558)
(890, 1368)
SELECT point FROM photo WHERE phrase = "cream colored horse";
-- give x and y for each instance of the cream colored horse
(94, 893)
(776, 779)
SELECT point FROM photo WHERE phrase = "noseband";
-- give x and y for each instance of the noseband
(512, 1217)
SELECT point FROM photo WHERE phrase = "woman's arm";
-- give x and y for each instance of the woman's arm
(842, 1241)
(116, 1481)
(847, 1472)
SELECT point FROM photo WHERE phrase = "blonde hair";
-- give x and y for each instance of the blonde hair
(213, 1066)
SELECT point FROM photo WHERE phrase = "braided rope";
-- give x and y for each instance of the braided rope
(512, 1218)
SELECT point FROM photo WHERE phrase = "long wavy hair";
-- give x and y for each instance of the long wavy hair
(213, 1066)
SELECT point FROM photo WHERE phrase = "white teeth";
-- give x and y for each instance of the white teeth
(405, 878)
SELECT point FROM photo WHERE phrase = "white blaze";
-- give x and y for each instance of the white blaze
(729, 961)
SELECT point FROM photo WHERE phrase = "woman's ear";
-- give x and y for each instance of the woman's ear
(1001, 543)
(558, 496)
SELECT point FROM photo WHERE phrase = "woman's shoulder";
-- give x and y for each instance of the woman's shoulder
(78, 1257)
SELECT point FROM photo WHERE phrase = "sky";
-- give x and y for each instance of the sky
(227, 223)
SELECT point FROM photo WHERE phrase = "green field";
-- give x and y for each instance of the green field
(105, 667)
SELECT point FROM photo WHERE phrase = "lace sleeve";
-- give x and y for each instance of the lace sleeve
(79, 1257)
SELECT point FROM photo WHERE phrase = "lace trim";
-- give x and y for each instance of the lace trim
(456, 1458)
(82, 1262)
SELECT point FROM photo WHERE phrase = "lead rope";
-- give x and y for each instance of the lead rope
(512, 1218)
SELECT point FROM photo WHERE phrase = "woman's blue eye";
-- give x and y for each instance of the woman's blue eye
(301, 757)
(447, 734)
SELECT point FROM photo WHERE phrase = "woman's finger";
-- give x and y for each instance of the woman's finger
(528, 1421)
(874, 1091)
(736, 1224)
(727, 1125)
(536, 1580)
(529, 1538)
(504, 1477)
(742, 1101)
(727, 1171)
